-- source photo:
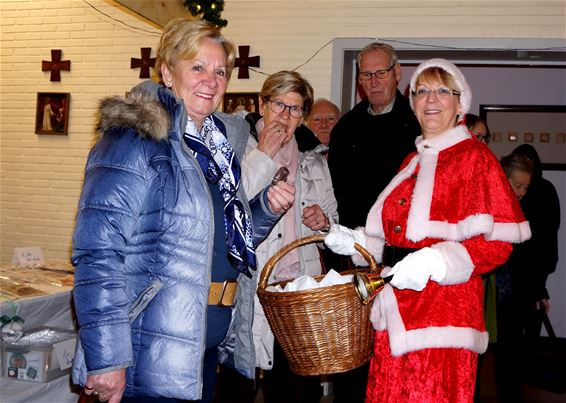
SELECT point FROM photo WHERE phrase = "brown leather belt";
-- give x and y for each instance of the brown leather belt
(222, 294)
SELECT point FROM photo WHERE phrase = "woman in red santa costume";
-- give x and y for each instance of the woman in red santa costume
(448, 217)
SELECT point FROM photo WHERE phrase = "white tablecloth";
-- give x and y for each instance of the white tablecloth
(48, 310)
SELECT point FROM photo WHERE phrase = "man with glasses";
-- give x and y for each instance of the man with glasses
(368, 143)
(367, 146)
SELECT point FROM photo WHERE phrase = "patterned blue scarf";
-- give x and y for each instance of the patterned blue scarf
(219, 165)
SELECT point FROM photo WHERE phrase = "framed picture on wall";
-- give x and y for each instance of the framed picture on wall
(52, 113)
(237, 102)
(539, 125)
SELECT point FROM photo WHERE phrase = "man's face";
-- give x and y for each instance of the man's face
(379, 91)
(322, 119)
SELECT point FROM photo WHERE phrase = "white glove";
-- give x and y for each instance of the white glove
(416, 268)
(341, 239)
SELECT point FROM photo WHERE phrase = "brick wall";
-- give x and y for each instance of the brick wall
(41, 175)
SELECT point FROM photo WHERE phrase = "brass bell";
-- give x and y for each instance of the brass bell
(368, 285)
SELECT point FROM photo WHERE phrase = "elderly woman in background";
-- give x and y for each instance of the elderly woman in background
(541, 206)
(446, 218)
(523, 299)
(164, 241)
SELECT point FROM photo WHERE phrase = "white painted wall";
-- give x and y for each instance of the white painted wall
(41, 175)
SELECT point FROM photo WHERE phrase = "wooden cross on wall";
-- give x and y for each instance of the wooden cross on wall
(145, 62)
(55, 65)
(245, 61)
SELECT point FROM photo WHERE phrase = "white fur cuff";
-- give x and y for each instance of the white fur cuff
(459, 265)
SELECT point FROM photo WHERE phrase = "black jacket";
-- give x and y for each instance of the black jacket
(537, 257)
(365, 153)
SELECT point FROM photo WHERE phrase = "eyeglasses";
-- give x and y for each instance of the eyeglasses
(279, 107)
(484, 138)
(381, 74)
(442, 92)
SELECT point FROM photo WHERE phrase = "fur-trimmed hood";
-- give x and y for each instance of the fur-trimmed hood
(140, 110)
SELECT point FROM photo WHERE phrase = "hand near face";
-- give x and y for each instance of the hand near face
(280, 197)
(314, 217)
(108, 386)
(272, 137)
(279, 126)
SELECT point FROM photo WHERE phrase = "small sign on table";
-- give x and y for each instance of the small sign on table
(28, 256)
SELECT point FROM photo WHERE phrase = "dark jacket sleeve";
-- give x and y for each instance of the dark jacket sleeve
(542, 209)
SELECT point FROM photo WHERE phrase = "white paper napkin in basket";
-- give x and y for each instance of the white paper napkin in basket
(308, 282)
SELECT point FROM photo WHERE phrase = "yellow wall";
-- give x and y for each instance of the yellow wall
(41, 175)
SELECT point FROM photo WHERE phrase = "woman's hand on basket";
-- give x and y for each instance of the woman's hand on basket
(341, 239)
(280, 197)
(315, 219)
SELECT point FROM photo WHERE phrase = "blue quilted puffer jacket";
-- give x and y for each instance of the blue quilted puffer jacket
(145, 224)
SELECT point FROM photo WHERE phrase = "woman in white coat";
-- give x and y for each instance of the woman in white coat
(286, 99)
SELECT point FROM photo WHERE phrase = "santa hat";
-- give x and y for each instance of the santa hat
(459, 79)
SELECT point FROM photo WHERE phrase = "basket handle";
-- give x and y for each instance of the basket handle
(268, 268)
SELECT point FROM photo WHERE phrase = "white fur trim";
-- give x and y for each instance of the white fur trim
(419, 213)
(459, 265)
(377, 314)
(419, 225)
(401, 341)
(465, 229)
(442, 337)
(374, 225)
(508, 232)
(446, 140)
(374, 245)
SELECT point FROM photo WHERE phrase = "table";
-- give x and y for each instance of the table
(53, 309)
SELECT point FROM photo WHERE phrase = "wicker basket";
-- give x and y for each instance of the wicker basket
(324, 330)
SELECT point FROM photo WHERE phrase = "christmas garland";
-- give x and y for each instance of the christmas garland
(210, 10)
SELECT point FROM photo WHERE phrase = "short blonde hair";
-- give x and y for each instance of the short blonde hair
(437, 74)
(284, 82)
(181, 40)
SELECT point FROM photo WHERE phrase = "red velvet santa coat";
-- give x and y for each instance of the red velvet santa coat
(453, 196)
